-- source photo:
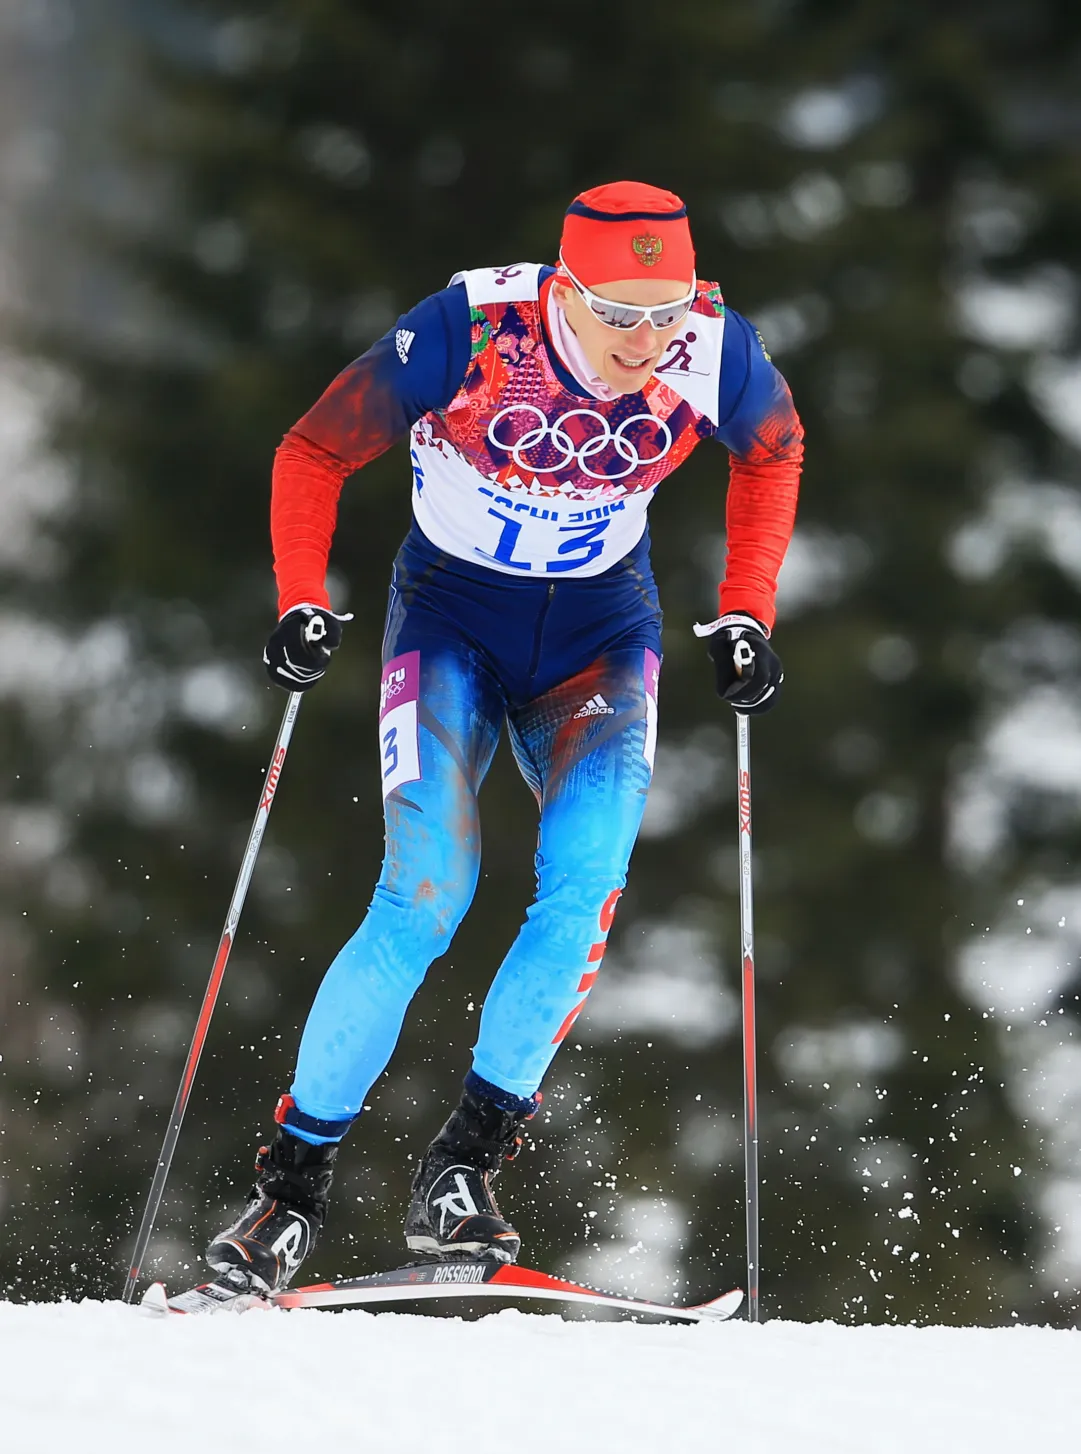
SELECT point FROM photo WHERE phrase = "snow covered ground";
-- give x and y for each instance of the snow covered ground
(106, 1379)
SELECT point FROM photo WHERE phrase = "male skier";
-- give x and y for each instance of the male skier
(544, 406)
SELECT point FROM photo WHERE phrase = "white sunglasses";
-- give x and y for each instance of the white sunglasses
(625, 316)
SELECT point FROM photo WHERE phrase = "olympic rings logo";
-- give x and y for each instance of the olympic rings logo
(579, 454)
(390, 688)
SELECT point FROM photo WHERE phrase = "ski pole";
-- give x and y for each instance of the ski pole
(750, 1079)
(217, 973)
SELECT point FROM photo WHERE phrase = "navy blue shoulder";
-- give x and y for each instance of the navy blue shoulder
(752, 389)
(741, 344)
(426, 353)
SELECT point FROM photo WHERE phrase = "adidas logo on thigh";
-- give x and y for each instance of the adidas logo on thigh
(595, 707)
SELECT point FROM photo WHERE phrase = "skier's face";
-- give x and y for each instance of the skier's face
(624, 359)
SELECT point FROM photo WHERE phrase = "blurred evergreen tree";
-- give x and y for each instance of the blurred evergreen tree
(309, 170)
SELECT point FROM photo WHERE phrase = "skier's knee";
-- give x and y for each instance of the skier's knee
(436, 910)
(574, 915)
(585, 895)
(426, 915)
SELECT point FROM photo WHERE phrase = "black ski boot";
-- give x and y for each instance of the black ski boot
(279, 1226)
(453, 1212)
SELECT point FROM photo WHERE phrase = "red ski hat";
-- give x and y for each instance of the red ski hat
(627, 230)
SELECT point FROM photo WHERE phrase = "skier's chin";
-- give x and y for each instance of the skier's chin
(626, 377)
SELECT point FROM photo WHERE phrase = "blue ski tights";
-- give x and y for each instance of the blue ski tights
(572, 668)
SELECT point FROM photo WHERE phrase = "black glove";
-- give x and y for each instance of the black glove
(749, 674)
(298, 652)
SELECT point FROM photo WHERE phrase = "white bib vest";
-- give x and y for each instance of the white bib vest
(523, 476)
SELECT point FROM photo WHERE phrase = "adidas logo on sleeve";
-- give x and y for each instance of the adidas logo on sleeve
(595, 707)
(403, 341)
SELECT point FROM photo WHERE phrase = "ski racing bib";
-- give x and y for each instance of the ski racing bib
(520, 474)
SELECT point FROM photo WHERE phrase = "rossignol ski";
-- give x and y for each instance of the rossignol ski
(468, 1278)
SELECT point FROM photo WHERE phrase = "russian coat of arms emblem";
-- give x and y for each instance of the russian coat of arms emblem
(647, 248)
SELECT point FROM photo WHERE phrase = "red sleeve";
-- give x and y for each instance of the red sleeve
(357, 418)
(303, 512)
(762, 491)
(418, 365)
